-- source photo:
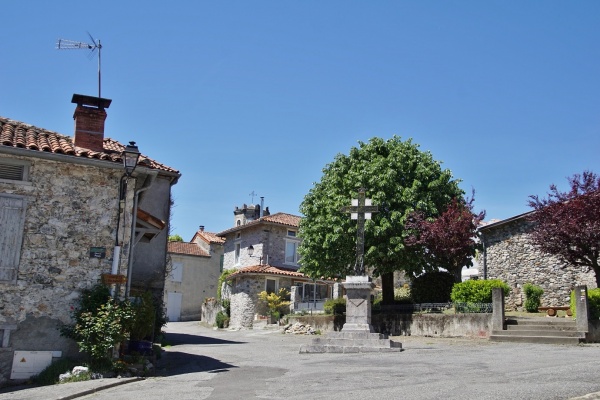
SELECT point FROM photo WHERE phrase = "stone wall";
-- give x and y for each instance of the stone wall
(70, 208)
(511, 257)
(243, 294)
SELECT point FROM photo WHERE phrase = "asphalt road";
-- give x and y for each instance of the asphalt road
(203, 363)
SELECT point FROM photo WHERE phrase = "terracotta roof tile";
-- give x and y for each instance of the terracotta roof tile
(190, 249)
(20, 135)
(268, 270)
(277, 218)
(208, 237)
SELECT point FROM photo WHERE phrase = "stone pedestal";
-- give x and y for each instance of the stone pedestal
(357, 334)
(358, 304)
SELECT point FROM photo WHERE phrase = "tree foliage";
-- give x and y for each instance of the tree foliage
(567, 224)
(447, 241)
(400, 179)
(175, 238)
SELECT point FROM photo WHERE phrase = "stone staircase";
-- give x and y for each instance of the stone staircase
(539, 330)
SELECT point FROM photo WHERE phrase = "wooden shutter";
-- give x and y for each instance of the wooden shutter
(12, 220)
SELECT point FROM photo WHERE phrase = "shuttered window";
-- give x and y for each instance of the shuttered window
(12, 220)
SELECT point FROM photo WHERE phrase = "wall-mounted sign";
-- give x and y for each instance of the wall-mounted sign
(109, 279)
(97, 252)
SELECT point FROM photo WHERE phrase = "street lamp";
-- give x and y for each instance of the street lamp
(251, 252)
(131, 155)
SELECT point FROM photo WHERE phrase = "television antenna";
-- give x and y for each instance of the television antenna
(63, 44)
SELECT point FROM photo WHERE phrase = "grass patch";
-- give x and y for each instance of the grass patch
(49, 376)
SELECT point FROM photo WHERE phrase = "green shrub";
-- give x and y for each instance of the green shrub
(593, 296)
(335, 306)
(101, 322)
(477, 291)
(145, 314)
(403, 295)
(221, 320)
(432, 287)
(533, 297)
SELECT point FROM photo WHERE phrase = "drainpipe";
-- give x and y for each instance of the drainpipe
(117, 247)
(132, 237)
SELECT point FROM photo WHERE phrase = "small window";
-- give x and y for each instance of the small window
(238, 235)
(238, 250)
(291, 252)
(291, 233)
(14, 170)
(270, 286)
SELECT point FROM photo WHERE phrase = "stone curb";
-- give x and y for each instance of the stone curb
(99, 388)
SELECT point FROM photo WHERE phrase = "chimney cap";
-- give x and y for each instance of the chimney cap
(83, 100)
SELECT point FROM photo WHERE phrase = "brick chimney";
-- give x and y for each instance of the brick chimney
(89, 119)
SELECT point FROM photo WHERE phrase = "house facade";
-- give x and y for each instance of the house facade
(263, 250)
(194, 272)
(510, 256)
(70, 215)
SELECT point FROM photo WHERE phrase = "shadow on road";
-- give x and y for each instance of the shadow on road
(177, 363)
(176, 339)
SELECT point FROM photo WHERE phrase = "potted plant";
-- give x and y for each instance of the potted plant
(142, 327)
(275, 303)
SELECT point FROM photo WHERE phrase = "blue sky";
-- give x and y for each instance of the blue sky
(258, 96)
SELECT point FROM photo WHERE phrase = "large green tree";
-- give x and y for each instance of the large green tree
(400, 179)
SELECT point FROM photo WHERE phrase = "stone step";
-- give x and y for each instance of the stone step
(314, 348)
(536, 333)
(357, 335)
(552, 328)
(541, 321)
(326, 341)
(537, 339)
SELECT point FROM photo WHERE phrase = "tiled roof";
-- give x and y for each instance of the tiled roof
(208, 237)
(278, 218)
(189, 249)
(20, 135)
(268, 270)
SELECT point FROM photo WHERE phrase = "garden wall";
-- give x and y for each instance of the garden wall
(436, 325)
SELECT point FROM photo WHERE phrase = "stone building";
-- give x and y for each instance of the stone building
(193, 277)
(264, 252)
(510, 256)
(69, 214)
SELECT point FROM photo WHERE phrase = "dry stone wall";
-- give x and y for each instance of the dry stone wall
(511, 257)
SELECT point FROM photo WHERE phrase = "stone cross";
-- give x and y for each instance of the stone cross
(360, 210)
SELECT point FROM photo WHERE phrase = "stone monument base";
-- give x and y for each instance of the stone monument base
(352, 342)
(357, 335)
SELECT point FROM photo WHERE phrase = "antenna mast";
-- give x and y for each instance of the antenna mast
(63, 44)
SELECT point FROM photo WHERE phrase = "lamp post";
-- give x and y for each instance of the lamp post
(251, 251)
(130, 156)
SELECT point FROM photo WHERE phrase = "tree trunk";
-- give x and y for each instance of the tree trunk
(387, 288)
(457, 273)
